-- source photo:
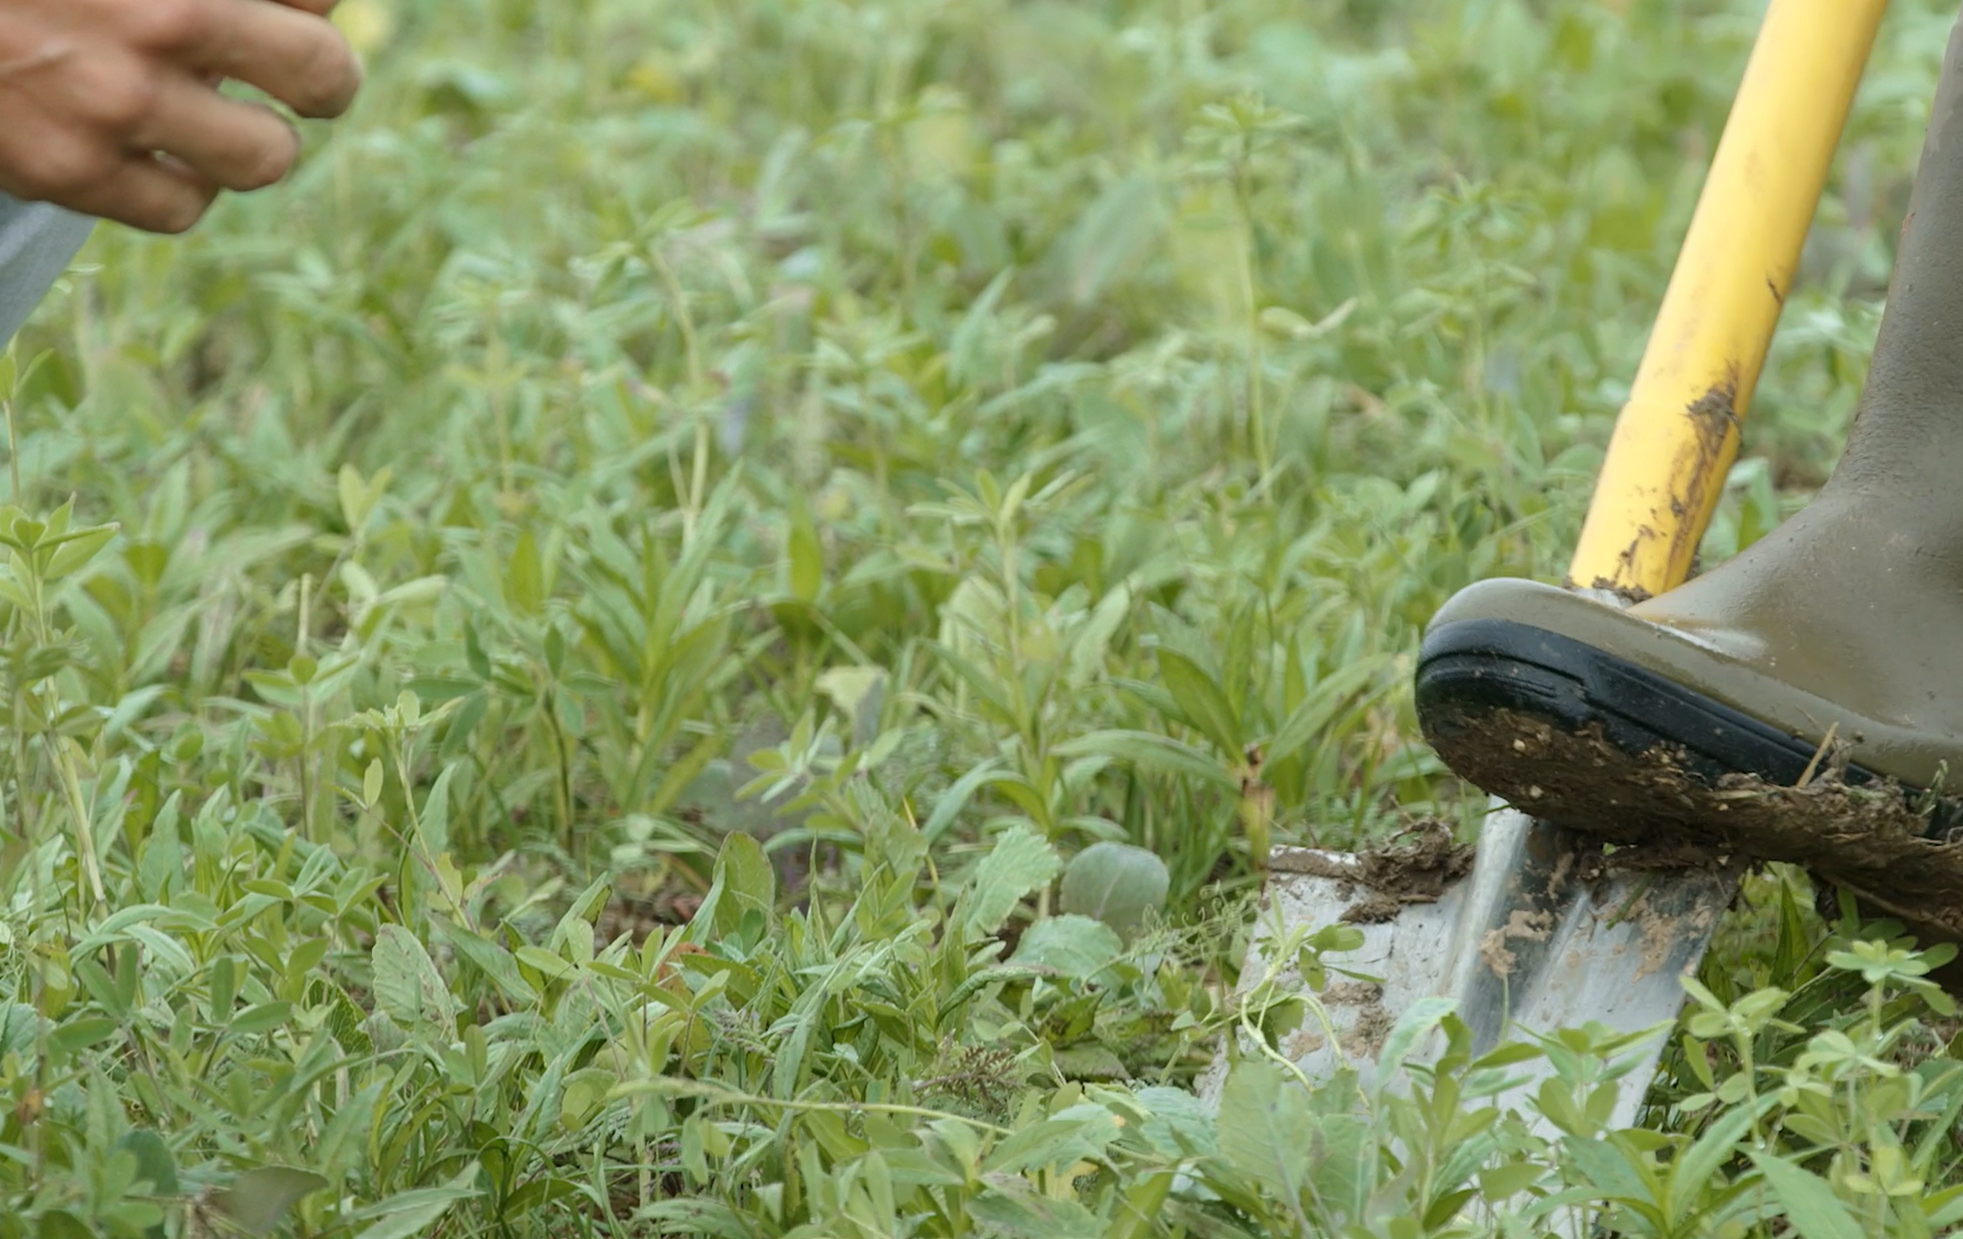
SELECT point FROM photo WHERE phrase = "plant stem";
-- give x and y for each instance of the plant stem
(306, 717)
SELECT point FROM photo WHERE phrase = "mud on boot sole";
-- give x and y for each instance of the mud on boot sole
(1594, 743)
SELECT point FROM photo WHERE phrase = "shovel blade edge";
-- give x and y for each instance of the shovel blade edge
(1534, 940)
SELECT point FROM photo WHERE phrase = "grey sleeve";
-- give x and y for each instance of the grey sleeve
(37, 242)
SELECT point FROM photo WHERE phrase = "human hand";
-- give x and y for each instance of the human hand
(111, 107)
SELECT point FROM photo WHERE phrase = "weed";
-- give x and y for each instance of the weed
(699, 628)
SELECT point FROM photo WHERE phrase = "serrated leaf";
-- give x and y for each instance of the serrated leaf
(20, 1027)
(1021, 863)
(1115, 883)
(408, 988)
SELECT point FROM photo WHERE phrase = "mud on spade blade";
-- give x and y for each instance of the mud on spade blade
(1536, 938)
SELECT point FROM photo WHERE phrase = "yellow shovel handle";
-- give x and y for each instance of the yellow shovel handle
(1677, 436)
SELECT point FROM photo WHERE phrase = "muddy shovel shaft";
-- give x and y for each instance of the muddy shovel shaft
(1677, 436)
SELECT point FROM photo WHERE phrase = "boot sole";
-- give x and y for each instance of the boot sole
(1471, 672)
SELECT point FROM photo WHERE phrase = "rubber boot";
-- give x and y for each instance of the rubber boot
(1751, 706)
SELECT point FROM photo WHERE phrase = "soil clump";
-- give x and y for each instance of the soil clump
(1872, 841)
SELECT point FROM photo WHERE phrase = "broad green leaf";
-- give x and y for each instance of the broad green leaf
(407, 985)
(1115, 883)
(77, 1035)
(259, 1200)
(806, 555)
(61, 1224)
(20, 1026)
(1012, 1207)
(264, 1017)
(1137, 1214)
(493, 961)
(411, 1214)
(1323, 705)
(1693, 1168)
(1149, 751)
(433, 823)
(1181, 1125)
(1608, 1168)
(1416, 1023)
(1091, 643)
(344, 1021)
(748, 883)
(1810, 1204)
(155, 1164)
(1499, 1183)
(1075, 946)
(1021, 863)
(1265, 1128)
(1114, 234)
(1944, 1209)
(550, 966)
(76, 551)
(1342, 1171)
(690, 1215)
(1201, 699)
(358, 496)
(524, 575)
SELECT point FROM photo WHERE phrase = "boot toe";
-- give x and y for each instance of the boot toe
(1577, 663)
(1596, 718)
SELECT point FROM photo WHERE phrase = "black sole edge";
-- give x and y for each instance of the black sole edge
(1472, 668)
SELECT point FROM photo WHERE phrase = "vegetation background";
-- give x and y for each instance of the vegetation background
(693, 631)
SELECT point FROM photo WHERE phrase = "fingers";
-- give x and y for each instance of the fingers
(136, 131)
(240, 146)
(286, 50)
(148, 193)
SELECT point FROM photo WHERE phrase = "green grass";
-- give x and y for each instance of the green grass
(634, 574)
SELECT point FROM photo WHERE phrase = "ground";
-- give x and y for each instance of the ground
(697, 628)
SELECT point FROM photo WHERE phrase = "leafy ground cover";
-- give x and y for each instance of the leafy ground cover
(696, 630)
